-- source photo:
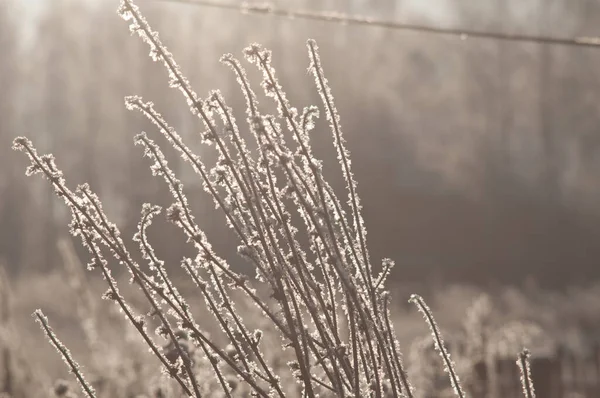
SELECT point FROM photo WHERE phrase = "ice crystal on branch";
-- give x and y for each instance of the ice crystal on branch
(525, 369)
(439, 344)
(329, 310)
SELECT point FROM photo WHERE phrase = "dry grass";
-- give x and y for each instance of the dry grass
(320, 324)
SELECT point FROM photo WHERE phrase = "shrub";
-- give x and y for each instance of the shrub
(332, 312)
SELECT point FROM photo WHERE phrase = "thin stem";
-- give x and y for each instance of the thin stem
(525, 368)
(60, 347)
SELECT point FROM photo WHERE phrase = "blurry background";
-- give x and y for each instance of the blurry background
(477, 160)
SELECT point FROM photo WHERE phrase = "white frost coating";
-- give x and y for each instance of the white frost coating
(257, 190)
(525, 368)
(65, 353)
(439, 344)
(342, 150)
(158, 52)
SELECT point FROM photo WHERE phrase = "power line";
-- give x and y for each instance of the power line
(268, 9)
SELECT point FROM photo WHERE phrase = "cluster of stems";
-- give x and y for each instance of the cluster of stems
(331, 308)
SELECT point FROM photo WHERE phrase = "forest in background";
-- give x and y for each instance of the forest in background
(476, 160)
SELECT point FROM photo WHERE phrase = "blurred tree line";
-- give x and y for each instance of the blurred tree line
(477, 160)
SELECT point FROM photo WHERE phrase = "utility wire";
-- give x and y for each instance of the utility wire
(269, 9)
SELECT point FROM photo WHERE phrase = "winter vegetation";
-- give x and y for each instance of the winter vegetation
(303, 309)
(332, 309)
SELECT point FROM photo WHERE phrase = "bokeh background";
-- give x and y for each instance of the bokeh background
(478, 160)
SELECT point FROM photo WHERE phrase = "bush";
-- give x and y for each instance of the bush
(331, 311)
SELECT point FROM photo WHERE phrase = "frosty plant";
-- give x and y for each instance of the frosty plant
(525, 368)
(331, 312)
